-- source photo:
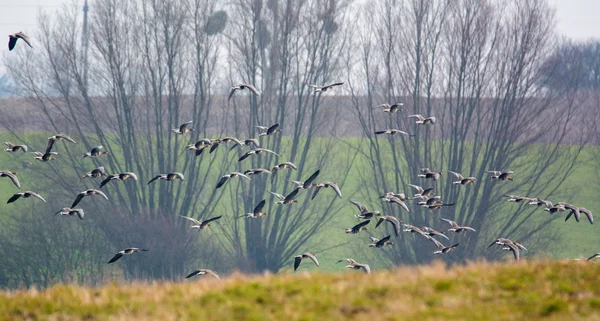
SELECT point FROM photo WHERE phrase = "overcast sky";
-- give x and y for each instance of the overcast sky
(577, 19)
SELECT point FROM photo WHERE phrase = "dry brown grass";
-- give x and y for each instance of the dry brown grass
(548, 290)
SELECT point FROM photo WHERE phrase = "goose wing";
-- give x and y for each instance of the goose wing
(291, 195)
(252, 89)
(311, 179)
(155, 178)
(259, 207)
(193, 220)
(78, 199)
(312, 257)
(14, 198)
(211, 219)
(115, 258)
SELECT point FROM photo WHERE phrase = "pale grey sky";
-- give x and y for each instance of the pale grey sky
(577, 19)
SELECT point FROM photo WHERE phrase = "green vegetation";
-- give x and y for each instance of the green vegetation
(536, 290)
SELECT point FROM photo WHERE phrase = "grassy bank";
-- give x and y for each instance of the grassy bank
(549, 290)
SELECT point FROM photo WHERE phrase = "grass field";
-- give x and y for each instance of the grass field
(535, 290)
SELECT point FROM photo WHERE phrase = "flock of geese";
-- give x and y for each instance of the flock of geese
(423, 197)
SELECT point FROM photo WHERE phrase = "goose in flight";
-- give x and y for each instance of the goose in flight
(325, 87)
(396, 200)
(169, 177)
(423, 120)
(501, 176)
(55, 138)
(361, 207)
(10, 147)
(12, 176)
(454, 227)
(127, 251)
(393, 132)
(375, 242)
(414, 229)
(247, 142)
(25, 194)
(242, 87)
(352, 264)
(44, 157)
(442, 249)
(461, 179)
(95, 152)
(71, 212)
(256, 171)
(420, 191)
(507, 244)
(257, 212)
(427, 173)
(368, 215)
(281, 166)
(229, 176)
(183, 128)
(519, 199)
(118, 177)
(400, 196)
(387, 108)
(392, 220)
(203, 272)
(256, 151)
(289, 199)
(432, 232)
(96, 172)
(358, 227)
(299, 258)
(12, 40)
(333, 186)
(269, 130)
(201, 224)
(85, 193)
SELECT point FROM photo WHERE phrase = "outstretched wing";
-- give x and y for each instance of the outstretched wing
(13, 198)
(259, 207)
(311, 178)
(115, 258)
(77, 200)
(312, 257)
(291, 195)
(153, 179)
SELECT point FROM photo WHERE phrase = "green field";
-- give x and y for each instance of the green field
(535, 290)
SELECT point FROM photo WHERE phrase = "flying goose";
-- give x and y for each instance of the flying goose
(500, 175)
(203, 272)
(387, 108)
(358, 227)
(118, 177)
(242, 87)
(25, 194)
(256, 151)
(227, 139)
(169, 177)
(400, 196)
(518, 199)
(325, 87)
(392, 220)
(455, 227)
(44, 157)
(257, 212)
(15, 148)
(96, 172)
(71, 211)
(200, 225)
(368, 215)
(414, 229)
(583, 210)
(393, 132)
(85, 193)
(423, 120)
(442, 249)
(256, 171)
(375, 242)
(270, 130)
(352, 264)
(289, 199)
(559, 207)
(398, 201)
(247, 142)
(183, 128)
(420, 191)
(426, 173)
(127, 251)
(593, 257)
(507, 244)
(281, 166)
(540, 202)
(461, 179)
(432, 232)
(95, 152)
(298, 259)
(55, 138)
(225, 178)
(12, 40)
(12, 176)
(434, 203)
(334, 186)
(362, 208)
